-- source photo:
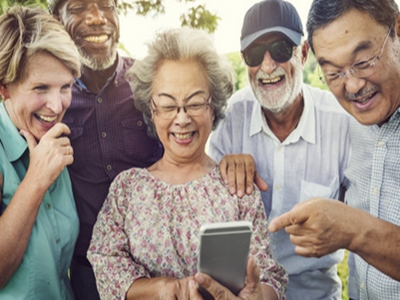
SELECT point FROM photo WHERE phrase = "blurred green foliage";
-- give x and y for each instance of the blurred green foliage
(197, 16)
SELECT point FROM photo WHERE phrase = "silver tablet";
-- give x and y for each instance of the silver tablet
(223, 253)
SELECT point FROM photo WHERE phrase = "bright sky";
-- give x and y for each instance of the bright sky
(136, 30)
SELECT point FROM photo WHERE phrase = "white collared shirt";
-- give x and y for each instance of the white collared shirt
(310, 162)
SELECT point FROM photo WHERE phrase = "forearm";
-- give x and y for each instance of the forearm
(147, 288)
(378, 243)
(16, 225)
(268, 292)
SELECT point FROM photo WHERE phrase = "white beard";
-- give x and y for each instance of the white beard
(278, 100)
(98, 64)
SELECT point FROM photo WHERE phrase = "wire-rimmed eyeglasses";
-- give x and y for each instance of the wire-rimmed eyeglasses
(360, 69)
(196, 106)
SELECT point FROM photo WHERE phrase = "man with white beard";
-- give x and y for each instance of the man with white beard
(297, 134)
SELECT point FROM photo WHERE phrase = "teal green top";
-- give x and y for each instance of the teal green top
(43, 272)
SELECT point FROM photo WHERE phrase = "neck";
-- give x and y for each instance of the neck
(282, 124)
(177, 172)
(95, 80)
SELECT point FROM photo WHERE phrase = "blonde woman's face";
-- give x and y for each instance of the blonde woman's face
(40, 99)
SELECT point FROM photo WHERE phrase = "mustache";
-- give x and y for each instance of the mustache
(360, 94)
(276, 73)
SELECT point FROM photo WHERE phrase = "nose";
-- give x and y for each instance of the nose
(95, 15)
(353, 84)
(182, 118)
(55, 103)
(268, 65)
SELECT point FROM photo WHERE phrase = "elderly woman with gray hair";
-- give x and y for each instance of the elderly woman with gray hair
(144, 244)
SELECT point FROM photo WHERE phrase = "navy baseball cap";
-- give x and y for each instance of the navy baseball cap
(271, 16)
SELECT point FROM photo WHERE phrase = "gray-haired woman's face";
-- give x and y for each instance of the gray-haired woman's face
(183, 134)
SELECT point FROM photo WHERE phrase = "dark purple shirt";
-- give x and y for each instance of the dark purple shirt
(108, 135)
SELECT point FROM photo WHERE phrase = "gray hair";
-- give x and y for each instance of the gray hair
(27, 31)
(323, 12)
(182, 44)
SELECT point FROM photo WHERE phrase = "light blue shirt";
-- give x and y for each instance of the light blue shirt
(309, 163)
(43, 272)
(374, 175)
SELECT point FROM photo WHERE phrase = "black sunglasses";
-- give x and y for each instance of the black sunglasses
(280, 51)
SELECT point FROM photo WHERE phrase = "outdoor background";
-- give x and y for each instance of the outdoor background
(140, 19)
(136, 30)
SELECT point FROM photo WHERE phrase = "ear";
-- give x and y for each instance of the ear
(397, 26)
(4, 91)
(304, 52)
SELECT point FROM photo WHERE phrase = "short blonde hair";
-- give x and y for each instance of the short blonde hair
(26, 31)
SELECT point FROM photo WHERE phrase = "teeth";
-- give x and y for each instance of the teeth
(96, 39)
(47, 119)
(183, 136)
(273, 80)
(362, 101)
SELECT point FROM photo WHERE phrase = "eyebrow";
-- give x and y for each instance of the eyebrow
(186, 99)
(364, 45)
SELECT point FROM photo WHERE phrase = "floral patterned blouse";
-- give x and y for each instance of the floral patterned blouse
(149, 228)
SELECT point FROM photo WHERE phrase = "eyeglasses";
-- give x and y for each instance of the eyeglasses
(280, 51)
(196, 106)
(360, 69)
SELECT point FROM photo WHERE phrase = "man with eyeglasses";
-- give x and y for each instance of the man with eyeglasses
(357, 44)
(298, 136)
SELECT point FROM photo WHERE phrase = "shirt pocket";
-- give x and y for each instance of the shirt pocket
(311, 190)
(79, 145)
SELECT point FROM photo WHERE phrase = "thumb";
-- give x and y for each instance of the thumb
(30, 139)
(262, 185)
(252, 273)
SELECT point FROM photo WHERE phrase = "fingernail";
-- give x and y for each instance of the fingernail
(199, 278)
(232, 190)
(271, 227)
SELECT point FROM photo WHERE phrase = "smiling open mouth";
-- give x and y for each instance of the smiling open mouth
(363, 100)
(96, 38)
(45, 119)
(183, 136)
(271, 81)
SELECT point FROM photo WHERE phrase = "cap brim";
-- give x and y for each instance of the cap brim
(294, 36)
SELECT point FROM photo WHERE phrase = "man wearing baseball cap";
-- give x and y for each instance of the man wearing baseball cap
(297, 134)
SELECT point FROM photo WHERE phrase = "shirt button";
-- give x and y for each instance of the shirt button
(103, 134)
(279, 148)
(277, 187)
(375, 191)
(139, 123)
(109, 167)
(381, 144)
(48, 205)
(57, 240)
(99, 100)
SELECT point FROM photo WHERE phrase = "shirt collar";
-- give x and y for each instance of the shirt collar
(305, 129)
(13, 143)
(116, 77)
